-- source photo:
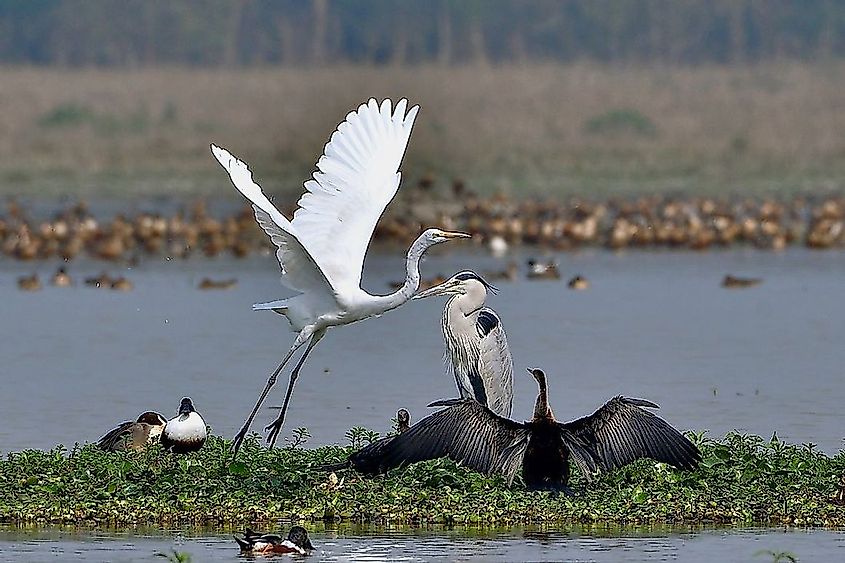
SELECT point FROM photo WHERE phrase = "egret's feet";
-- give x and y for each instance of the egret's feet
(237, 441)
(274, 428)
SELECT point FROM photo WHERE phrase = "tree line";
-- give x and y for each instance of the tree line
(306, 32)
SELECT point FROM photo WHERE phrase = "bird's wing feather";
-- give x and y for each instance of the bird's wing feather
(300, 271)
(114, 437)
(623, 432)
(467, 432)
(495, 364)
(356, 178)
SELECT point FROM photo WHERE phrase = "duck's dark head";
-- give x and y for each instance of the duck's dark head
(186, 406)
(152, 418)
(459, 284)
(298, 536)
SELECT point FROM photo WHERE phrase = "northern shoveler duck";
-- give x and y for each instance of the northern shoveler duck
(208, 283)
(185, 432)
(29, 283)
(61, 278)
(730, 281)
(543, 270)
(297, 542)
(103, 280)
(579, 283)
(617, 434)
(134, 435)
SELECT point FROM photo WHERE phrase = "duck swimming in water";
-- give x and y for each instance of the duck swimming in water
(134, 435)
(297, 542)
(185, 432)
(618, 433)
(543, 270)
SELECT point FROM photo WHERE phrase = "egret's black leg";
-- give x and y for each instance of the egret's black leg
(276, 426)
(239, 437)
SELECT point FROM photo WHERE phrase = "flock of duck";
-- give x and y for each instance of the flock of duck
(321, 254)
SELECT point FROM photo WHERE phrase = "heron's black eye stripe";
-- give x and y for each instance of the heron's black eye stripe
(464, 276)
(486, 322)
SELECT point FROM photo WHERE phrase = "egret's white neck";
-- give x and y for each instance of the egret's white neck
(412, 277)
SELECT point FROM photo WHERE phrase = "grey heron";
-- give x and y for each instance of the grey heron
(321, 251)
(618, 433)
(476, 346)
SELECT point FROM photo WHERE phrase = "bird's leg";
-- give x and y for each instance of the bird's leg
(276, 426)
(239, 437)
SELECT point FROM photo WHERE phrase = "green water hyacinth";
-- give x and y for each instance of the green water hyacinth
(742, 480)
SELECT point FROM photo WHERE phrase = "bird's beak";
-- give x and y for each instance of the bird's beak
(455, 234)
(440, 289)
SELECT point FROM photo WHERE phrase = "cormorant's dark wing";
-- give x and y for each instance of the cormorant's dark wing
(465, 431)
(114, 439)
(623, 432)
(366, 460)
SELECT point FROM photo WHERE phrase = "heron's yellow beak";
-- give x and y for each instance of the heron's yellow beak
(444, 288)
(455, 234)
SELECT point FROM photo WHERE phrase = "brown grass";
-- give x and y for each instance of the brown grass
(521, 129)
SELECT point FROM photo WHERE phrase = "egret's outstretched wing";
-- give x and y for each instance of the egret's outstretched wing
(466, 432)
(623, 432)
(494, 363)
(300, 271)
(356, 178)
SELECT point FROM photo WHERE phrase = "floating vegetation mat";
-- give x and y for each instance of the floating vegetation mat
(743, 480)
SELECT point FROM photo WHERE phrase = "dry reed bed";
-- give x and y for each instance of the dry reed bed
(521, 128)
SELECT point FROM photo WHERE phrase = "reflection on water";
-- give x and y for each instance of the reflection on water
(349, 543)
(654, 325)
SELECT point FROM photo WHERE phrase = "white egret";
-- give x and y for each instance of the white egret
(476, 346)
(321, 251)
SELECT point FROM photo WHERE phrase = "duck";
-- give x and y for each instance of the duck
(134, 435)
(618, 433)
(543, 270)
(359, 460)
(839, 496)
(730, 281)
(103, 280)
(511, 273)
(297, 542)
(186, 432)
(61, 278)
(208, 283)
(498, 246)
(29, 283)
(122, 284)
(579, 283)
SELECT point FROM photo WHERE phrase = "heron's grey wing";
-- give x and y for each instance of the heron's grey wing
(622, 432)
(465, 431)
(114, 439)
(495, 365)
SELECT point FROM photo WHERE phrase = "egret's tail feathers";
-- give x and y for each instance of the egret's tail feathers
(279, 306)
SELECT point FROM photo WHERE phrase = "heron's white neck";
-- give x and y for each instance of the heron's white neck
(470, 301)
(412, 276)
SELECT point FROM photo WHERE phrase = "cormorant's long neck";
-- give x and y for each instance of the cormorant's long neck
(541, 407)
(412, 277)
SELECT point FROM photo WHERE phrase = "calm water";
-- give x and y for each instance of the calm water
(655, 325)
(355, 544)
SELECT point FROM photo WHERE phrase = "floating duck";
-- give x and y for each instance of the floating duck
(730, 281)
(103, 280)
(61, 278)
(296, 543)
(543, 270)
(122, 284)
(134, 435)
(579, 283)
(186, 432)
(511, 273)
(29, 283)
(208, 283)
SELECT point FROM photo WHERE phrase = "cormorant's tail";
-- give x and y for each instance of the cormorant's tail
(334, 467)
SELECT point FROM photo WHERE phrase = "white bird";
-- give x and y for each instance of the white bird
(321, 251)
(185, 432)
(476, 346)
